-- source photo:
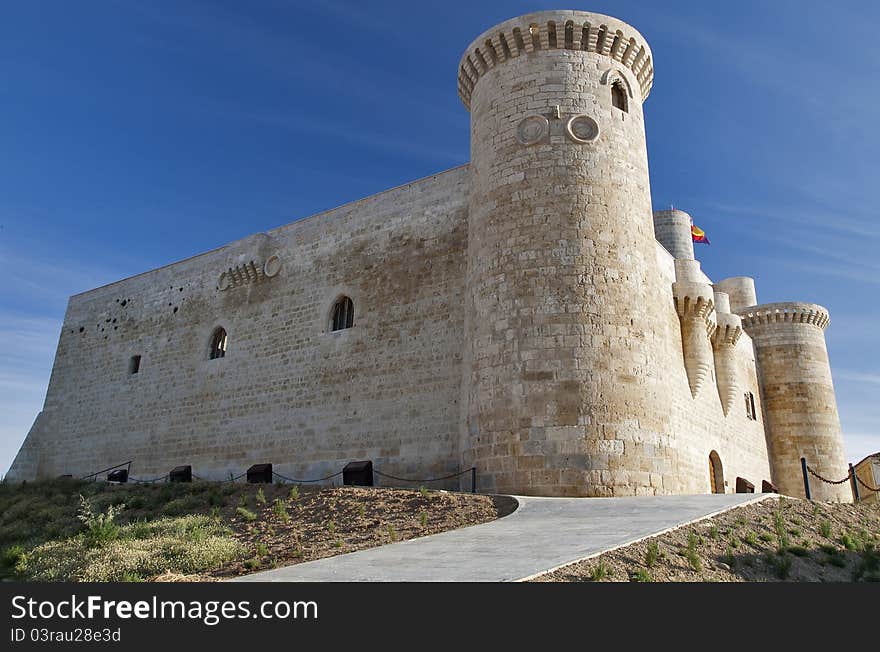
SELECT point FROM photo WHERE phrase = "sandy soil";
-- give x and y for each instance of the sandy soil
(331, 521)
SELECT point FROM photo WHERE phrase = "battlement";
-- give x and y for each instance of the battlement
(556, 30)
(785, 313)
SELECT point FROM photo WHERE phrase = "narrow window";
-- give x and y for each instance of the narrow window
(134, 365)
(618, 96)
(343, 314)
(218, 344)
(751, 412)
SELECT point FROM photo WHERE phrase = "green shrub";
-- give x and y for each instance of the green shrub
(182, 506)
(652, 554)
(850, 542)
(750, 538)
(799, 551)
(825, 529)
(765, 536)
(331, 527)
(782, 565)
(294, 493)
(729, 559)
(691, 553)
(136, 502)
(599, 572)
(423, 491)
(782, 541)
(280, 510)
(260, 497)
(99, 528)
(246, 514)
(641, 575)
(253, 563)
(423, 518)
(713, 532)
(10, 557)
(262, 549)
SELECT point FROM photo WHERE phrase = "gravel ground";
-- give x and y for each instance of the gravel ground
(781, 539)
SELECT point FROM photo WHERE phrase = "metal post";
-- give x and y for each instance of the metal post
(806, 478)
(473, 479)
(855, 483)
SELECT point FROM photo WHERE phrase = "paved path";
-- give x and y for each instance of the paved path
(543, 533)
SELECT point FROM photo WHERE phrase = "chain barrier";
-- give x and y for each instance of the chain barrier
(445, 477)
(300, 481)
(866, 485)
(295, 481)
(140, 481)
(813, 473)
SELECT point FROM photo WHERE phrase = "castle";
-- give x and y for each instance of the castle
(522, 314)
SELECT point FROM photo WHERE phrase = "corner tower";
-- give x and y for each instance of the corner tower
(800, 409)
(562, 393)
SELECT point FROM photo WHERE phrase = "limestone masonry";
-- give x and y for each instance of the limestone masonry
(523, 314)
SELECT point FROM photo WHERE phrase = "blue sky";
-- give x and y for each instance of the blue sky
(137, 134)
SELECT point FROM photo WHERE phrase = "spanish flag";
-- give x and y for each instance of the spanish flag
(698, 235)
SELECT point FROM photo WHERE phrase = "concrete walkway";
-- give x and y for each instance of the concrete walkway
(542, 534)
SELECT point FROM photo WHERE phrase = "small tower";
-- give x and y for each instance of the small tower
(800, 409)
(692, 294)
(562, 395)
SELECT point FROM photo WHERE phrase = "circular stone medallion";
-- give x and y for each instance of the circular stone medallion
(582, 129)
(532, 130)
(272, 266)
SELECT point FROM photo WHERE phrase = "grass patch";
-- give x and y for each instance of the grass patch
(188, 544)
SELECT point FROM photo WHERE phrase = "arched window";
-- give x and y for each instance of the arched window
(618, 96)
(218, 344)
(343, 314)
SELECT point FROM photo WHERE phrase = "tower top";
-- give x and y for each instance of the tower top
(556, 30)
(791, 312)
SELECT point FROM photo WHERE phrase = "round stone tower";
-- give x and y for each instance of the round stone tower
(563, 394)
(800, 407)
(673, 230)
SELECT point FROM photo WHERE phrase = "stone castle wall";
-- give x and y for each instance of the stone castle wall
(287, 391)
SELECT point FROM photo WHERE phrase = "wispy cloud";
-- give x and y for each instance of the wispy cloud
(857, 376)
(840, 221)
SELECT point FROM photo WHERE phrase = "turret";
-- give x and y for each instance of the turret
(728, 330)
(562, 393)
(800, 409)
(740, 291)
(695, 305)
(673, 231)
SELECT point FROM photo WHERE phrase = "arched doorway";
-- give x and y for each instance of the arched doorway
(716, 473)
